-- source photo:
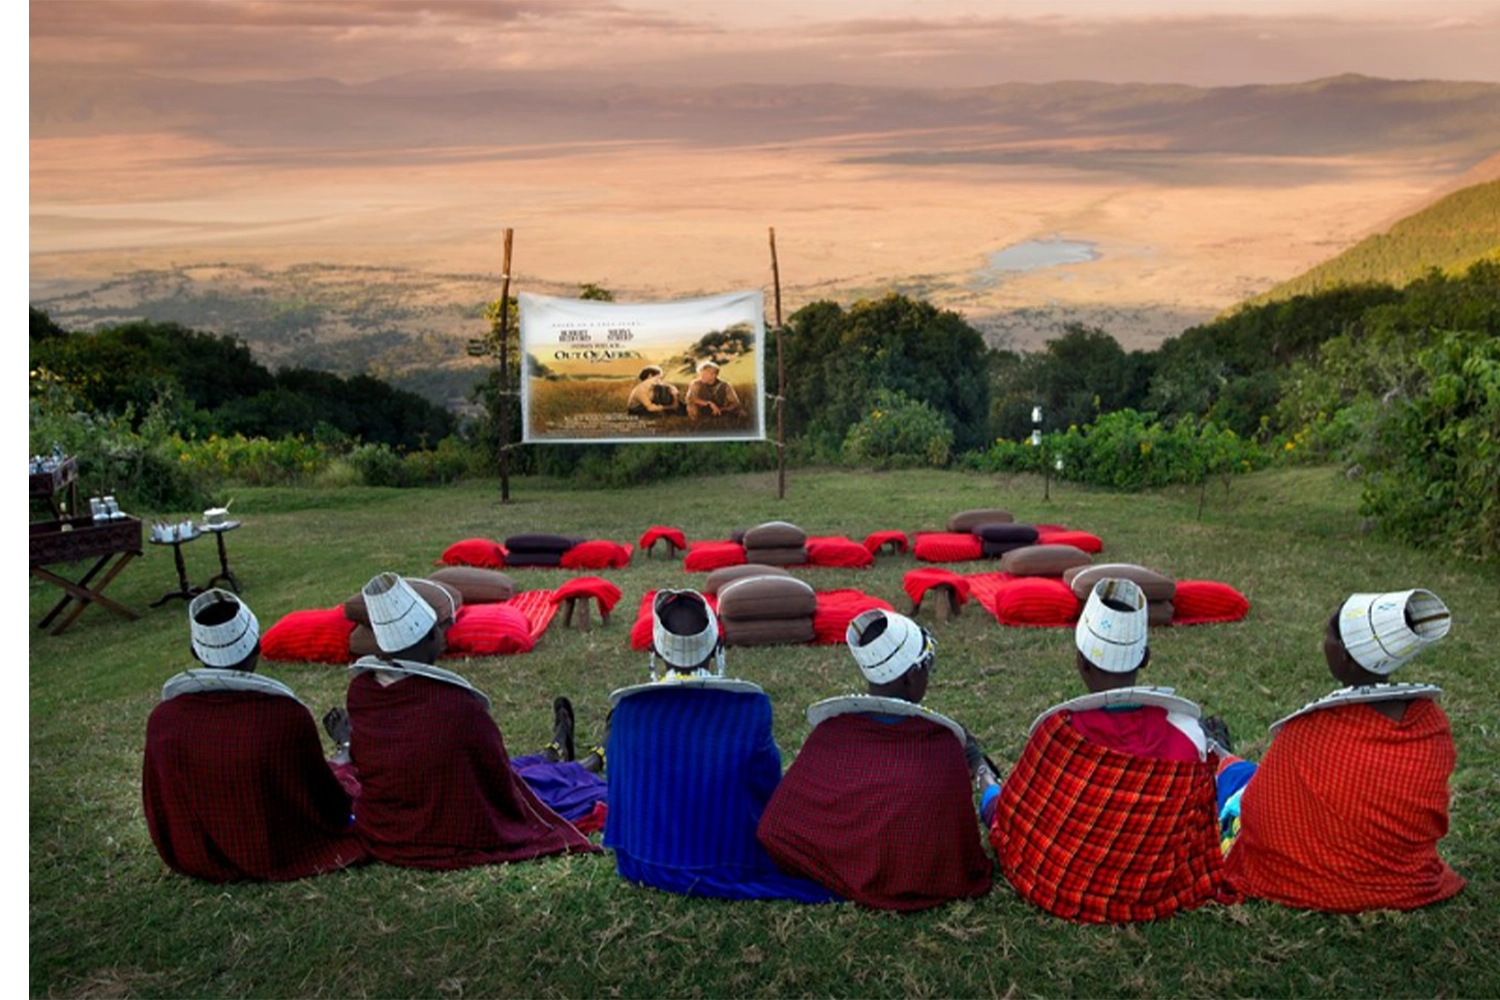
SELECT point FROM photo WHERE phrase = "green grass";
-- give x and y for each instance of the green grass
(107, 919)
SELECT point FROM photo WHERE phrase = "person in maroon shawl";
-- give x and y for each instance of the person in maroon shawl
(437, 786)
(234, 784)
(877, 806)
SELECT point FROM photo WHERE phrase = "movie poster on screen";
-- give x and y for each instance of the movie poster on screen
(691, 370)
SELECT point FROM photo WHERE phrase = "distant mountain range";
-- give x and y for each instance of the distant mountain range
(1116, 124)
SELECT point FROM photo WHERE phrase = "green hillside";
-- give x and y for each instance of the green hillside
(1449, 234)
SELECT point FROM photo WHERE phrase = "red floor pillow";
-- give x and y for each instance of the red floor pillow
(877, 540)
(968, 520)
(596, 554)
(840, 552)
(725, 575)
(944, 546)
(918, 582)
(474, 552)
(1054, 535)
(490, 630)
(320, 635)
(837, 608)
(705, 556)
(1199, 602)
(658, 531)
(1036, 601)
(1043, 560)
(601, 590)
(476, 585)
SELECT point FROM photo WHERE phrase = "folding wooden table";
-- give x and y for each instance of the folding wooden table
(111, 544)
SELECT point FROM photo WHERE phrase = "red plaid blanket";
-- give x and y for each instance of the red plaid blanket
(1097, 836)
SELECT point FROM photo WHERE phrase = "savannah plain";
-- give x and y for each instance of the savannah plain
(371, 243)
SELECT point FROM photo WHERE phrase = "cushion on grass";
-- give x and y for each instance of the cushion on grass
(836, 609)
(968, 520)
(475, 585)
(758, 598)
(1023, 533)
(1043, 560)
(596, 554)
(705, 556)
(725, 575)
(1198, 602)
(838, 551)
(876, 540)
(769, 631)
(490, 630)
(774, 535)
(474, 552)
(656, 531)
(1159, 613)
(943, 546)
(1053, 535)
(918, 582)
(795, 555)
(519, 560)
(1036, 601)
(995, 550)
(1154, 585)
(540, 542)
(319, 635)
(362, 642)
(441, 597)
(601, 590)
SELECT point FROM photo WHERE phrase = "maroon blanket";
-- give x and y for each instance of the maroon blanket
(880, 813)
(438, 790)
(235, 787)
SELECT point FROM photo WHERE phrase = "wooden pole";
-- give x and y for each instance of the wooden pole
(780, 376)
(505, 372)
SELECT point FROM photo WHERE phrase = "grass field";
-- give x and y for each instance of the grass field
(107, 919)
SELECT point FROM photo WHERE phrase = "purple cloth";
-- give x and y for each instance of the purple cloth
(565, 786)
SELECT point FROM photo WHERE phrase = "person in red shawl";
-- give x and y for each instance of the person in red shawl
(878, 805)
(1109, 815)
(234, 784)
(437, 787)
(1345, 811)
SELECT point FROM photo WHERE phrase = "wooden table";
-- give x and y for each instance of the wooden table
(111, 544)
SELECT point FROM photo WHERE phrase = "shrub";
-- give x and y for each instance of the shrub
(899, 432)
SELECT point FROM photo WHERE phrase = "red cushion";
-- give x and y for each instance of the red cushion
(673, 535)
(705, 556)
(838, 551)
(490, 630)
(876, 539)
(474, 552)
(918, 582)
(946, 546)
(1036, 601)
(1051, 535)
(316, 636)
(1201, 601)
(836, 609)
(596, 554)
(606, 593)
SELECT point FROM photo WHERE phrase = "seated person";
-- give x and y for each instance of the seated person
(437, 786)
(707, 396)
(1109, 815)
(652, 396)
(1347, 807)
(877, 806)
(234, 784)
(692, 763)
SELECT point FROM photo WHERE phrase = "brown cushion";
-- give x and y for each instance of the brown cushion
(757, 598)
(794, 555)
(725, 575)
(362, 642)
(771, 632)
(1043, 560)
(478, 586)
(774, 535)
(435, 592)
(1159, 613)
(998, 532)
(968, 520)
(539, 542)
(1155, 586)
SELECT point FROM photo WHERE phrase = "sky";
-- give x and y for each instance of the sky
(957, 43)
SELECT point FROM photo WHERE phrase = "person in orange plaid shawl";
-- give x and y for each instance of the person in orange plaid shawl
(1345, 811)
(878, 805)
(1109, 814)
